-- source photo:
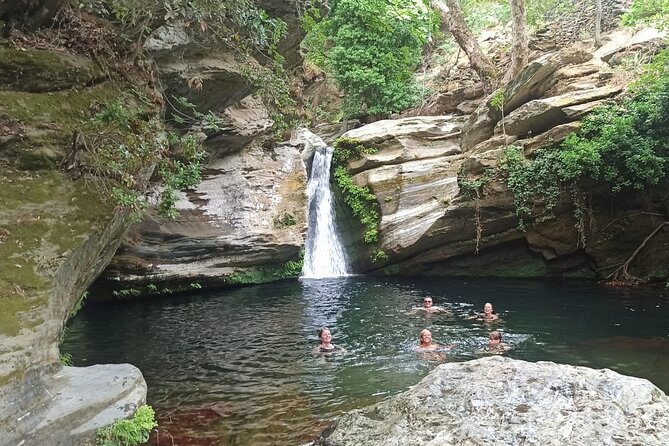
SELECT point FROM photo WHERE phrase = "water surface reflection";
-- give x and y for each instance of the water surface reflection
(234, 367)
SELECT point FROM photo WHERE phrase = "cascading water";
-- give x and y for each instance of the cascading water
(324, 255)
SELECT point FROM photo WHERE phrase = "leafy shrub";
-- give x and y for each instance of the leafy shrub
(129, 432)
(372, 48)
(363, 203)
(620, 147)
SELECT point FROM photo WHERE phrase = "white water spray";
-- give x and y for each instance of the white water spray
(324, 254)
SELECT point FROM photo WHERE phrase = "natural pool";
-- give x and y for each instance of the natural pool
(234, 367)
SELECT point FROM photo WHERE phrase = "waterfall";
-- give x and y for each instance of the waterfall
(324, 255)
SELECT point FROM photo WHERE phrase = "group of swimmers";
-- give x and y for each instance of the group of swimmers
(425, 342)
(494, 338)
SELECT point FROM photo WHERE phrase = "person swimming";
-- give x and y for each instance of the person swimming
(425, 341)
(428, 307)
(430, 350)
(495, 343)
(488, 314)
(326, 346)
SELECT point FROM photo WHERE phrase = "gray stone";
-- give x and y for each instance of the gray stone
(497, 400)
(77, 402)
(549, 138)
(542, 114)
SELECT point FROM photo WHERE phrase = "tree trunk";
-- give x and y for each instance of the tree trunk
(598, 23)
(519, 45)
(451, 14)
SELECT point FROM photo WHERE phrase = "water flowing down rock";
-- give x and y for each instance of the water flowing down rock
(324, 254)
(502, 401)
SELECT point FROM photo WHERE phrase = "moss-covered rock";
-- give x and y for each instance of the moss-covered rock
(35, 70)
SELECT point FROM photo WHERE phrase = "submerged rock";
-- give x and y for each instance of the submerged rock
(498, 400)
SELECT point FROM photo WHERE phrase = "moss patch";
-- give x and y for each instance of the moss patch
(45, 70)
(48, 121)
(42, 217)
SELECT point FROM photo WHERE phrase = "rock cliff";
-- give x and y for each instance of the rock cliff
(56, 236)
(428, 226)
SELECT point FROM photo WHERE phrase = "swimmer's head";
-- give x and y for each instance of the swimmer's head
(495, 337)
(324, 334)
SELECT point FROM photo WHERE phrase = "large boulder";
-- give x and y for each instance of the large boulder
(497, 400)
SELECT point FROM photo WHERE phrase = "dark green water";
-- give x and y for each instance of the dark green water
(235, 366)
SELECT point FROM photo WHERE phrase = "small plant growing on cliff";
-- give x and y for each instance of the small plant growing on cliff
(284, 220)
(473, 188)
(130, 432)
(497, 102)
(346, 149)
(124, 144)
(379, 256)
(363, 203)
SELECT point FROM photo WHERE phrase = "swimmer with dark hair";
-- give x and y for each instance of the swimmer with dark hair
(488, 314)
(326, 346)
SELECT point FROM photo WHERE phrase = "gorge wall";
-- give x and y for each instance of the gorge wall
(429, 227)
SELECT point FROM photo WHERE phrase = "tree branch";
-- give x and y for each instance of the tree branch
(622, 272)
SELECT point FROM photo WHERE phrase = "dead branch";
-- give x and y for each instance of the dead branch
(622, 272)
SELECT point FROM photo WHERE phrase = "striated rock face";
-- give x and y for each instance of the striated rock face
(429, 227)
(240, 225)
(56, 236)
(497, 400)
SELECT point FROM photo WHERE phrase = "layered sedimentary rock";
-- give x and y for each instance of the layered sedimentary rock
(429, 227)
(242, 224)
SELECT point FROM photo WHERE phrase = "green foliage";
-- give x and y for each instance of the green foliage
(65, 359)
(529, 180)
(284, 220)
(620, 147)
(130, 432)
(648, 12)
(126, 144)
(233, 22)
(272, 85)
(126, 292)
(538, 12)
(372, 48)
(78, 304)
(498, 99)
(482, 14)
(471, 187)
(288, 270)
(363, 203)
(346, 149)
(379, 256)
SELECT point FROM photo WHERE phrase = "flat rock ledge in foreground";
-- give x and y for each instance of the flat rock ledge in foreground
(81, 400)
(501, 401)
